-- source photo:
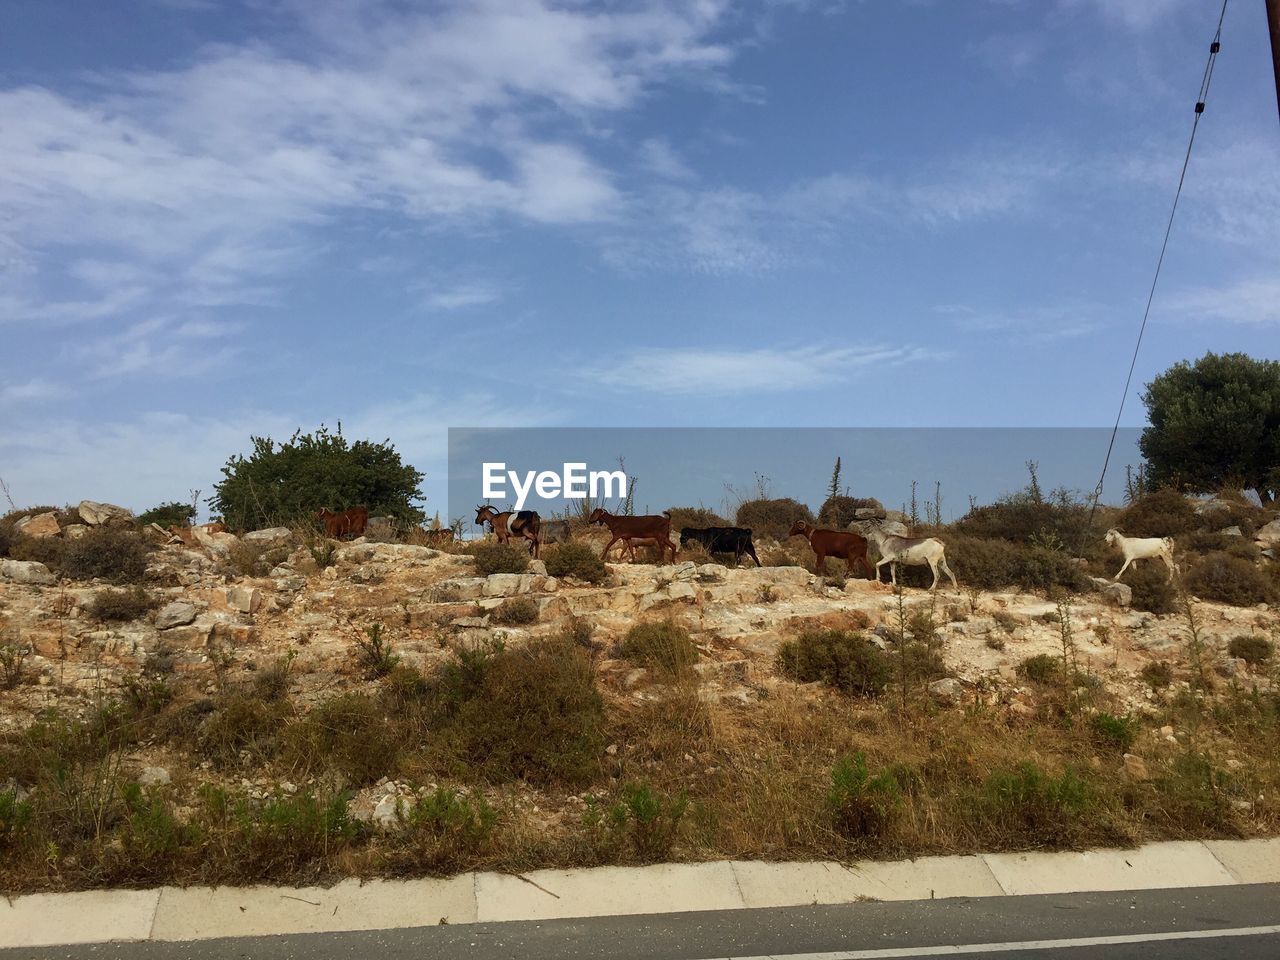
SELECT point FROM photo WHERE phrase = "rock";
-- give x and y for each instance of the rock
(244, 599)
(26, 571)
(634, 678)
(1231, 532)
(1231, 667)
(74, 531)
(890, 528)
(948, 690)
(153, 777)
(389, 811)
(218, 544)
(176, 614)
(380, 529)
(869, 513)
(538, 568)
(1117, 594)
(1136, 767)
(1215, 505)
(1269, 535)
(270, 537)
(41, 525)
(96, 514)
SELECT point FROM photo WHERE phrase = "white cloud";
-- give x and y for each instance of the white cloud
(460, 296)
(720, 372)
(660, 158)
(1134, 14)
(1253, 300)
(32, 391)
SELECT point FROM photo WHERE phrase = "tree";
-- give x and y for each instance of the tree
(1215, 424)
(833, 488)
(286, 484)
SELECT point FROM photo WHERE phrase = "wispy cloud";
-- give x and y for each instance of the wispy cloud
(721, 372)
(1035, 324)
(460, 296)
(32, 391)
(1253, 300)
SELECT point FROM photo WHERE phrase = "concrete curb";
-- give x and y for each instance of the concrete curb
(199, 913)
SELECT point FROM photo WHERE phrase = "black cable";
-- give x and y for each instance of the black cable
(1205, 81)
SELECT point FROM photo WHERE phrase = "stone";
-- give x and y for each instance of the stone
(1269, 535)
(1231, 532)
(869, 513)
(244, 599)
(1136, 767)
(1213, 506)
(74, 531)
(26, 571)
(96, 514)
(538, 568)
(270, 537)
(41, 525)
(153, 777)
(948, 690)
(176, 614)
(380, 529)
(219, 544)
(1117, 594)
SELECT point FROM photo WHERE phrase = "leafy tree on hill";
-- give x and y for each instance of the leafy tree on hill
(1215, 423)
(286, 483)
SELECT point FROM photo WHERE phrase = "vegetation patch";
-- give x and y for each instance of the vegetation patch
(500, 558)
(575, 560)
(842, 659)
(663, 645)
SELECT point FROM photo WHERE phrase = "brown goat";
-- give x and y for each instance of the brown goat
(347, 523)
(525, 524)
(835, 543)
(629, 529)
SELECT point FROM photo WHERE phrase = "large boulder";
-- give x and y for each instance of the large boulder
(270, 537)
(41, 525)
(26, 571)
(176, 614)
(96, 514)
(1113, 592)
(218, 544)
(1269, 535)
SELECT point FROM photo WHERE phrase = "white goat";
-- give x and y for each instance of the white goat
(912, 551)
(1142, 548)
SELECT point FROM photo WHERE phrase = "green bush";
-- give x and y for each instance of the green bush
(1111, 731)
(1152, 590)
(1228, 579)
(663, 645)
(501, 558)
(992, 564)
(862, 805)
(285, 484)
(447, 826)
(574, 560)
(171, 514)
(131, 603)
(842, 659)
(517, 611)
(1038, 806)
(771, 519)
(1027, 517)
(648, 821)
(1042, 668)
(1164, 513)
(531, 712)
(118, 556)
(351, 735)
(374, 653)
(1251, 648)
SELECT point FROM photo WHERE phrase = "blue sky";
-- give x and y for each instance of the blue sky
(230, 217)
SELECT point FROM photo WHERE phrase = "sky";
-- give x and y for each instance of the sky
(227, 218)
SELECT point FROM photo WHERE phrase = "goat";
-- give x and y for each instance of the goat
(735, 540)
(629, 529)
(835, 543)
(1142, 548)
(345, 523)
(912, 552)
(524, 524)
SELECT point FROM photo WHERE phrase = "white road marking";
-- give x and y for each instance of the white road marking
(953, 950)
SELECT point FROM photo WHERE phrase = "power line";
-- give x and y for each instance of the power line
(1205, 80)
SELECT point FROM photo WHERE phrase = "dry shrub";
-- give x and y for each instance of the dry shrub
(771, 518)
(350, 735)
(1164, 513)
(993, 564)
(518, 611)
(575, 560)
(842, 659)
(1251, 648)
(125, 605)
(1229, 579)
(500, 558)
(115, 555)
(1152, 590)
(695, 517)
(662, 645)
(242, 727)
(839, 511)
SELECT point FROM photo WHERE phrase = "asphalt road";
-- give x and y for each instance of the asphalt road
(1209, 922)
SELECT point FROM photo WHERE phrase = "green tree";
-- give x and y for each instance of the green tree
(1215, 423)
(833, 488)
(285, 484)
(171, 514)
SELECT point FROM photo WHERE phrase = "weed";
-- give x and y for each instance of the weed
(766, 593)
(323, 552)
(1030, 801)
(349, 734)
(272, 682)
(1111, 731)
(446, 826)
(13, 661)
(994, 642)
(125, 605)
(516, 611)
(648, 821)
(1151, 588)
(373, 651)
(1157, 674)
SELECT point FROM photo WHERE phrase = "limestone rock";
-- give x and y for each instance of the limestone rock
(947, 690)
(176, 614)
(1115, 593)
(41, 525)
(96, 514)
(1136, 767)
(74, 531)
(244, 599)
(270, 537)
(26, 571)
(153, 777)
(1269, 535)
(218, 544)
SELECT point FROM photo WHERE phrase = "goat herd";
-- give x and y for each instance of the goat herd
(655, 530)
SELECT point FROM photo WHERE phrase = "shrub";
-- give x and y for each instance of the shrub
(1024, 517)
(516, 611)
(130, 603)
(374, 653)
(1111, 731)
(1250, 648)
(242, 723)
(532, 712)
(861, 805)
(1029, 801)
(272, 682)
(13, 660)
(51, 551)
(771, 518)
(171, 514)
(1164, 513)
(663, 645)
(248, 559)
(501, 558)
(842, 659)
(349, 734)
(575, 560)
(1042, 668)
(118, 556)
(695, 517)
(1228, 579)
(993, 563)
(1157, 674)
(648, 821)
(6, 539)
(285, 484)
(839, 511)
(15, 814)
(450, 826)
(1151, 588)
